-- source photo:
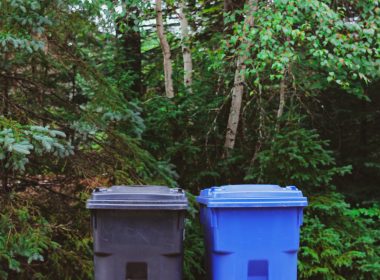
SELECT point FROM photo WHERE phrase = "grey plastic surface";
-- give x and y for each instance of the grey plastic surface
(138, 197)
(138, 233)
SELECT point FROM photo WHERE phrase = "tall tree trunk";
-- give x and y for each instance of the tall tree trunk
(168, 70)
(186, 53)
(281, 104)
(5, 97)
(260, 130)
(363, 140)
(238, 88)
(5, 85)
(130, 39)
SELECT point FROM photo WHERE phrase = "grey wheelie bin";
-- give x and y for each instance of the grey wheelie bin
(138, 232)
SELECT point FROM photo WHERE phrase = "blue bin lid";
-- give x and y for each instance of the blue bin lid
(252, 196)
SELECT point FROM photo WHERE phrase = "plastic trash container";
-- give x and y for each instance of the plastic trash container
(252, 231)
(138, 232)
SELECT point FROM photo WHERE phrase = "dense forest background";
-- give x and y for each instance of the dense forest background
(190, 94)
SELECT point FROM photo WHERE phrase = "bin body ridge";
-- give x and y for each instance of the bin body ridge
(138, 233)
(252, 231)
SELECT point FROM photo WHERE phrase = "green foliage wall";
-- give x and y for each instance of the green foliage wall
(71, 120)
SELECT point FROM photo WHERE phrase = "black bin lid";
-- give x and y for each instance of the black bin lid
(138, 197)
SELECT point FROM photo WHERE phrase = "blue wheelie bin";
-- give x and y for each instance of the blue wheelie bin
(252, 231)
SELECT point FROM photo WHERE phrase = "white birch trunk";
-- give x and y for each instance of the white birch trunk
(168, 70)
(282, 101)
(281, 105)
(186, 53)
(238, 88)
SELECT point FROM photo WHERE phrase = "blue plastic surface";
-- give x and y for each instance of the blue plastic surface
(252, 231)
(252, 196)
